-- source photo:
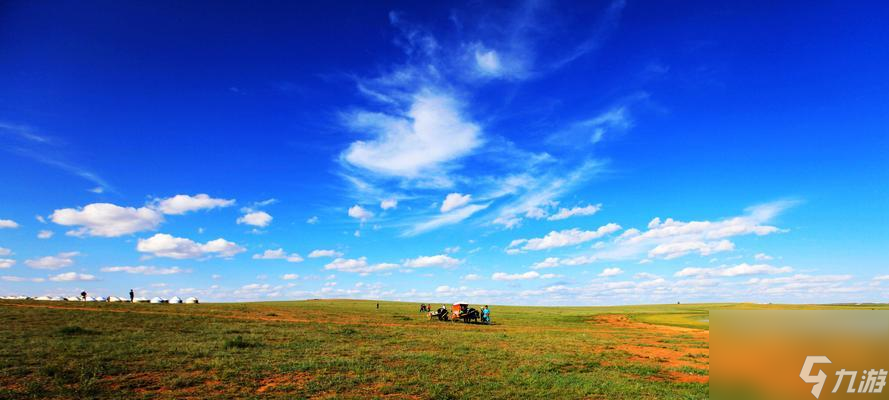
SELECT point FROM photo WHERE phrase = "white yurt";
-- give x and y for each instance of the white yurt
(43, 298)
(72, 298)
(57, 298)
(175, 300)
(191, 300)
(114, 299)
(140, 300)
(101, 298)
(90, 298)
(158, 300)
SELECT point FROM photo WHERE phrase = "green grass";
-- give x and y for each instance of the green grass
(346, 349)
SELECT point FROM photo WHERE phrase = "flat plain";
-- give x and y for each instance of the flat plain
(351, 349)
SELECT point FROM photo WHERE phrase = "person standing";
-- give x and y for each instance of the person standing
(132, 295)
(486, 315)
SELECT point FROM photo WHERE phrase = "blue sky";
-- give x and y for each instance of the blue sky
(514, 153)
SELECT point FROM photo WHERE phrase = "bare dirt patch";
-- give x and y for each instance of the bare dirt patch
(664, 345)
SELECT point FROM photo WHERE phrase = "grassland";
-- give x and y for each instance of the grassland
(349, 349)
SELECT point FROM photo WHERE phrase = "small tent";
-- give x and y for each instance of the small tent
(191, 300)
(175, 300)
(114, 299)
(158, 300)
(101, 298)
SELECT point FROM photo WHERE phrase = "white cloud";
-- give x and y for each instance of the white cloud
(44, 234)
(164, 245)
(471, 277)
(440, 260)
(735, 270)
(57, 261)
(446, 219)
(678, 249)
(312, 221)
(5, 252)
(455, 200)
(6, 262)
(488, 62)
(549, 262)
(762, 257)
(289, 277)
(9, 278)
(503, 276)
(607, 272)
(278, 254)
(388, 203)
(568, 237)
(107, 220)
(256, 218)
(359, 265)
(72, 276)
(432, 133)
(565, 213)
(181, 203)
(881, 278)
(8, 223)
(325, 253)
(360, 213)
(145, 270)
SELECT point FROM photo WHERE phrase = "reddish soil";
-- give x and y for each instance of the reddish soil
(648, 345)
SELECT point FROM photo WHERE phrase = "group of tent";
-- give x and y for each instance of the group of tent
(111, 299)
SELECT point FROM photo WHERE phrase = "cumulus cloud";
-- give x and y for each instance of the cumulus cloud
(312, 220)
(762, 257)
(388, 203)
(734, 270)
(57, 261)
(611, 272)
(440, 260)
(164, 245)
(255, 218)
(678, 249)
(324, 253)
(6, 263)
(289, 277)
(44, 234)
(278, 254)
(359, 265)
(471, 277)
(72, 276)
(181, 203)
(8, 224)
(568, 237)
(5, 252)
(107, 220)
(455, 200)
(488, 62)
(360, 213)
(433, 132)
(10, 278)
(565, 213)
(145, 270)
(503, 276)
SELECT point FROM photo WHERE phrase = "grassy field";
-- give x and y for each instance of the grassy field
(349, 349)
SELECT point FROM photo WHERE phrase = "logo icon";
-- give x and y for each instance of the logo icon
(818, 380)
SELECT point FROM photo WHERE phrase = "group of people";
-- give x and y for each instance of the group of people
(485, 312)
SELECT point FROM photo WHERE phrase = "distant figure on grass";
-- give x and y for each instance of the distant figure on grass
(378, 306)
(422, 307)
(83, 295)
(132, 295)
(486, 315)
